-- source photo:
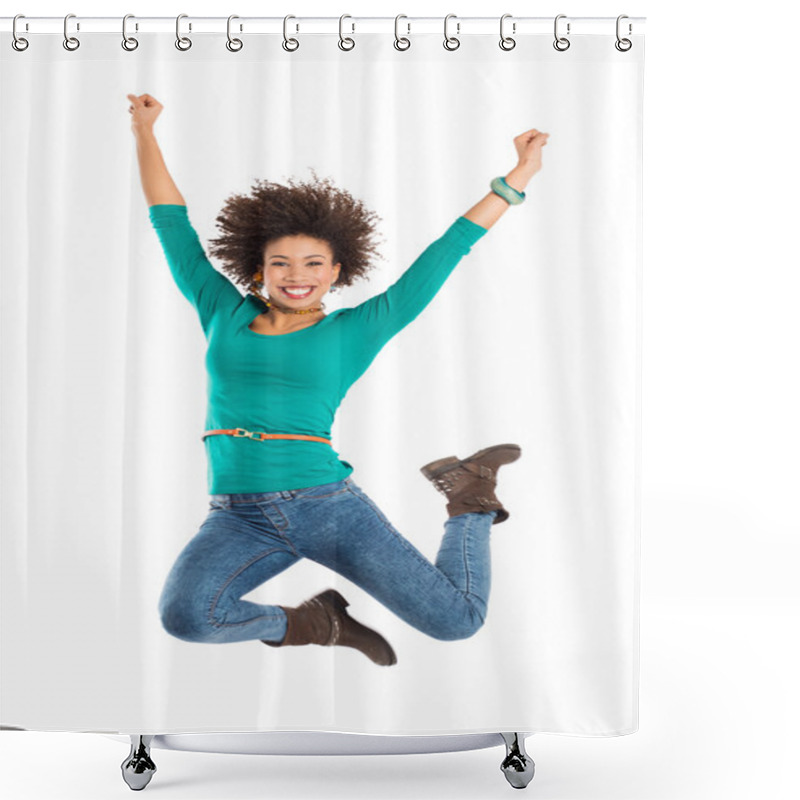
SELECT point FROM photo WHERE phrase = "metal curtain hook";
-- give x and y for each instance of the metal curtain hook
(182, 42)
(70, 42)
(234, 45)
(295, 44)
(560, 43)
(406, 43)
(128, 42)
(451, 42)
(506, 42)
(350, 43)
(623, 45)
(18, 42)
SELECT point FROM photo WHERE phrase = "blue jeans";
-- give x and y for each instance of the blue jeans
(246, 539)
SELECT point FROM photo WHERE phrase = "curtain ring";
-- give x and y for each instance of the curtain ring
(406, 43)
(182, 42)
(506, 42)
(560, 40)
(350, 43)
(129, 43)
(286, 40)
(623, 45)
(449, 40)
(70, 42)
(18, 42)
(234, 45)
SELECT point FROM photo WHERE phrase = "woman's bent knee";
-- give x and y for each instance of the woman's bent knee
(451, 630)
(184, 621)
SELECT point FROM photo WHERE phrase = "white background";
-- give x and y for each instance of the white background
(720, 529)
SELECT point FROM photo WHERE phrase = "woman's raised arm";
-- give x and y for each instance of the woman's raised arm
(529, 152)
(205, 288)
(156, 181)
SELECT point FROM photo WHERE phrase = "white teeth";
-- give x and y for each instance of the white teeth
(298, 291)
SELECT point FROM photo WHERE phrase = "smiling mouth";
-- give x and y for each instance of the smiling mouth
(297, 293)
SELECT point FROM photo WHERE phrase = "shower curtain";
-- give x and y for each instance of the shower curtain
(525, 331)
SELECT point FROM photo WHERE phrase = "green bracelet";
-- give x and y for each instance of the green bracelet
(508, 193)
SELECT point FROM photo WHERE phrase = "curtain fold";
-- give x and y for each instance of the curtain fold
(533, 339)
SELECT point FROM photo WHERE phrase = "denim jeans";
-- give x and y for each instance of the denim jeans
(246, 539)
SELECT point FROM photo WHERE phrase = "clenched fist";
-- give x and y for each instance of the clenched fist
(144, 110)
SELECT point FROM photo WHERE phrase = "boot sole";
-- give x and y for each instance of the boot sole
(516, 452)
(448, 462)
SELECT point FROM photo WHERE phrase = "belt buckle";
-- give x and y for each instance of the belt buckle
(243, 432)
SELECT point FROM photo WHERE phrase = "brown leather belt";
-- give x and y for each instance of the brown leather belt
(261, 436)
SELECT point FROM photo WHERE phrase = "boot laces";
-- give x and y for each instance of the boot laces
(446, 482)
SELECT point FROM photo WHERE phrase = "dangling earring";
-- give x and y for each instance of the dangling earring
(258, 281)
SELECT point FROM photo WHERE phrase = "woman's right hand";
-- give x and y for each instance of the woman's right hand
(144, 110)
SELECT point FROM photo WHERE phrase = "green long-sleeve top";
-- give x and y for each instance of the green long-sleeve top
(292, 382)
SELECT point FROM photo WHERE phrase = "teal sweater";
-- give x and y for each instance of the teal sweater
(293, 382)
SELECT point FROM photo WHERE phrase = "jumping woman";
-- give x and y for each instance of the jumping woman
(278, 368)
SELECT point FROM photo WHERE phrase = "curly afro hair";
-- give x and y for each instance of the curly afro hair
(314, 208)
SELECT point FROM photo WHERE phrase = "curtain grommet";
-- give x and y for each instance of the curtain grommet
(290, 48)
(70, 43)
(345, 42)
(623, 45)
(451, 42)
(129, 43)
(234, 45)
(561, 43)
(401, 43)
(506, 42)
(183, 43)
(19, 43)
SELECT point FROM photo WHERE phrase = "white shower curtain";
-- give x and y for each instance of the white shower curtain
(533, 339)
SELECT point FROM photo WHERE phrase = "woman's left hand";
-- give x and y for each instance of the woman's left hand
(529, 149)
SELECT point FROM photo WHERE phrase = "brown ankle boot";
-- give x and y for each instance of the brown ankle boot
(469, 484)
(324, 620)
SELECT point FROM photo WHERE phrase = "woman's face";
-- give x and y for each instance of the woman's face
(299, 263)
